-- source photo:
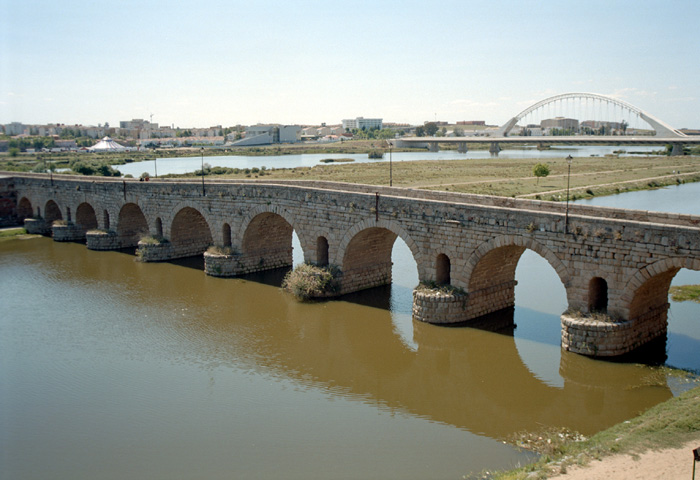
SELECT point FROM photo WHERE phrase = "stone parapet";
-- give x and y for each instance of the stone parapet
(608, 338)
(435, 306)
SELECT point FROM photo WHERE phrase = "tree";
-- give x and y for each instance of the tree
(420, 131)
(540, 170)
(431, 128)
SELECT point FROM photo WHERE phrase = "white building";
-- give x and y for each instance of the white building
(269, 134)
(362, 123)
(15, 128)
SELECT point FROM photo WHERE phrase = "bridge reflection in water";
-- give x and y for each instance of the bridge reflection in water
(122, 350)
(471, 378)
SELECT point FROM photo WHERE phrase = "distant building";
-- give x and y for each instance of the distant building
(560, 123)
(268, 135)
(15, 128)
(596, 124)
(362, 123)
(472, 122)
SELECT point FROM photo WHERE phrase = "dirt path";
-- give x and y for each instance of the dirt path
(668, 464)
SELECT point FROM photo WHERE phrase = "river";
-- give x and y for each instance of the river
(113, 369)
(182, 165)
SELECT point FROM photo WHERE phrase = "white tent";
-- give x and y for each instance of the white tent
(107, 145)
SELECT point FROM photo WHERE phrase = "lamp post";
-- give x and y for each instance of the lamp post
(202, 152)
(569, 159)
(391, 172)
(155, 161)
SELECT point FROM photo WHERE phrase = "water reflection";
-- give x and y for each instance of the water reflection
(170, 367)
(465, 377)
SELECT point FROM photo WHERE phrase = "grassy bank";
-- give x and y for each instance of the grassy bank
(509, 177)
(667, 425)
(684, 293)
(10, 233)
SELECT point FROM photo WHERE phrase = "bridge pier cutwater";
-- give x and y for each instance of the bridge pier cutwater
(616, 263)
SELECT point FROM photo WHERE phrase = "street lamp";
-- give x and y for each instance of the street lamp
(155, 161)
(202, 152)
(569, 159)
(391, 176)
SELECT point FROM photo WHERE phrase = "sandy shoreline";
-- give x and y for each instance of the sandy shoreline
(675, 463)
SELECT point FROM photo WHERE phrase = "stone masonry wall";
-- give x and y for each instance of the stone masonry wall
(623, 247)
(8, 203)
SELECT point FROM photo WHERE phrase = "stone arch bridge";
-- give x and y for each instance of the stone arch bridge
(614, 262)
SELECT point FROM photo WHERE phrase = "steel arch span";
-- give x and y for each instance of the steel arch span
(661, 128)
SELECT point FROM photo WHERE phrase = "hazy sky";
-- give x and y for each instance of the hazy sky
(211, 62)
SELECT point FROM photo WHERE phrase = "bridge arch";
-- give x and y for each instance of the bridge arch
(648, 289)
(167, 217)
(52, 212)
(258, 218)
(364, 254)
(660, 127)
(390, 225)
(24, 209)
(85, 217)
(189, 233)
(490, 272)
(265, 238)
(131, 224)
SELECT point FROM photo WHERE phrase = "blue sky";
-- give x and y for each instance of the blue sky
(214, 62)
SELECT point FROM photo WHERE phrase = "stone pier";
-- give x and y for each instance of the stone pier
(616, 265)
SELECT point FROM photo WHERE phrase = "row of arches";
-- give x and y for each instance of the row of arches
(363, 251)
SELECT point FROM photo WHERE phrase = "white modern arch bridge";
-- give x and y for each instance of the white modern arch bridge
(663, 133)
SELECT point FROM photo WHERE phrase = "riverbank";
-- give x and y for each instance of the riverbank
(14, 232)
(512, 177)
(656, 439)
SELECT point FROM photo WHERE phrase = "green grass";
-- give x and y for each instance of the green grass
(12, 232)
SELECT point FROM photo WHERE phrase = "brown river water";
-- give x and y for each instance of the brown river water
(113, 369)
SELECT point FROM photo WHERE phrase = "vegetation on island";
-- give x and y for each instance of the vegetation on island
(684, 293)
(307, 281)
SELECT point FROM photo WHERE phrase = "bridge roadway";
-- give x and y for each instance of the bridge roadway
(432, 143)
(612, 261)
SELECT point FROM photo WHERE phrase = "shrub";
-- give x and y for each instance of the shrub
(439, 288)
(217, 250)
(152, 240)
(540, 170)
(308, 281)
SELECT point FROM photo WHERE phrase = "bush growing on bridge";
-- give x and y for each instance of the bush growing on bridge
(308, 281)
